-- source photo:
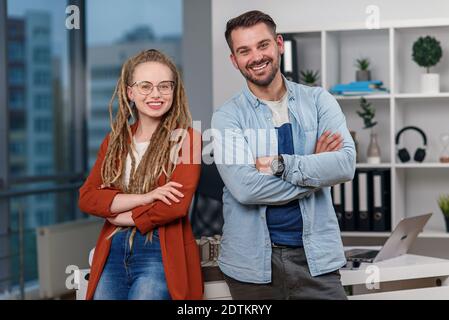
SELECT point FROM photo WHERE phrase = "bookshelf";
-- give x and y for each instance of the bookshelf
(414, 186)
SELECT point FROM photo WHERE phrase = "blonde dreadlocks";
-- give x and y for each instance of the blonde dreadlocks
(157, 159)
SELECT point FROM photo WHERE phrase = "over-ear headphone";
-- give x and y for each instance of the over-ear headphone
(420, 153)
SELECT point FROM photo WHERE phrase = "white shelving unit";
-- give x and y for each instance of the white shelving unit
(415, 186)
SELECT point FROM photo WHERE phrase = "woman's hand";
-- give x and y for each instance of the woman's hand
(165, 193)
(123, 220)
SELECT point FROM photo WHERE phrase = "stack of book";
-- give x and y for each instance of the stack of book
(359, 88)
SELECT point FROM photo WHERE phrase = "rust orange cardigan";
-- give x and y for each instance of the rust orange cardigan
(180, 254)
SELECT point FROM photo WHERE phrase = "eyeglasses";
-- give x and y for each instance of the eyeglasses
(146, 87)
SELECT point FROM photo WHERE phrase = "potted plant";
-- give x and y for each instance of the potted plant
(443, 203)
(367, 114)
(310, 77)
(363, 73)
(427, 53)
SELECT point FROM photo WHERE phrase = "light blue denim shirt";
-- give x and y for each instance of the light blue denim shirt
(245, 252)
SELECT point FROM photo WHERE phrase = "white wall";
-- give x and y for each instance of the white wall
(197, 59)
(298, 15)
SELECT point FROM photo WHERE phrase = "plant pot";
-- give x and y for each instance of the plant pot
(430, 83)
(373, 154)
(363, 75)
(446, 218)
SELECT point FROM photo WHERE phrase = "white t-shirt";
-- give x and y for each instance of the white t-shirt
(279, 110)
(141, 147)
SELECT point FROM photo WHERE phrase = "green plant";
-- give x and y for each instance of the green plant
(310, 77)
(367, 114)
(443, 202)
(427, 52)
(362, 64)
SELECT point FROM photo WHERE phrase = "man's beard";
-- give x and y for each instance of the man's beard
(261, 82)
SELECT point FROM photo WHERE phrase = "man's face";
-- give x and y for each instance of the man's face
(256, 53)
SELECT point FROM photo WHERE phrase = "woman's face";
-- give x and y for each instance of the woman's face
(152, 89)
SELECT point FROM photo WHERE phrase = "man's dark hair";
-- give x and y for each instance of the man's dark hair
(246, 20)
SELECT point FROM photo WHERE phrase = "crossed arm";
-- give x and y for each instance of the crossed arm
(146, 211)
(332, 163)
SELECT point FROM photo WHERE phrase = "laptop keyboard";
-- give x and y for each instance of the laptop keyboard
(361, 254)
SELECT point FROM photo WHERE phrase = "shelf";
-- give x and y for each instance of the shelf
(368, 97)
(374, 234)
(422, 95)
(374, 166)
(362, 234)
(421, 165)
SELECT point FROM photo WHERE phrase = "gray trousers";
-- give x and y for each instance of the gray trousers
(291, 279)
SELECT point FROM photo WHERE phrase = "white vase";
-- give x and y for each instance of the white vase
(430, 83)
(373, 154)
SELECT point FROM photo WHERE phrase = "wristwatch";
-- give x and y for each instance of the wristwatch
(277, 166)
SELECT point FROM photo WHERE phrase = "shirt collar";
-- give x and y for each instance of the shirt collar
(255, 101)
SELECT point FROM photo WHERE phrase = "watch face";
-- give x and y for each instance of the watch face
(276, 166)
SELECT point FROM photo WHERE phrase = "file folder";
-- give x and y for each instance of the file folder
(381, 215)
(337, 200)
(363, 213)
(289, 63)
(349, 218)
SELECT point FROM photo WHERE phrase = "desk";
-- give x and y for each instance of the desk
(401, 278)
(404, 277)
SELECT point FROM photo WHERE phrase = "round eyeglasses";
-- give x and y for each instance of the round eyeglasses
(146, 87)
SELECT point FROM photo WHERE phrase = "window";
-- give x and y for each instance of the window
(42, 78)
(42, 125)
(41, 32)
(43, 148)
(42, 102)
(17, 148)
(107, 72)
(39, 144)
(109, 44)
(16, 76)
(42, 169)
(16, 99)
(41, 55)
(16, 52)
(17, 124)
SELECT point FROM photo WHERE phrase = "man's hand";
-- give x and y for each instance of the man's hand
(326, 143)
(123, 220)
(263, 164)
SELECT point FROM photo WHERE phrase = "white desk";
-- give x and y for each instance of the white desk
(405, 277)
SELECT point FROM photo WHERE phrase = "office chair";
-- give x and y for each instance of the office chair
(206, 214)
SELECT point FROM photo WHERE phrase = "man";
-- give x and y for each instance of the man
(281, 238)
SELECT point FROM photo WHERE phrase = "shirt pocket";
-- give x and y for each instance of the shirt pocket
(311, 138)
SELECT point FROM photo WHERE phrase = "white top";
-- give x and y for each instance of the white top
(141, 147)
(279, 110)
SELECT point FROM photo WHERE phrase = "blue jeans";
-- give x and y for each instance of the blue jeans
(136, 274)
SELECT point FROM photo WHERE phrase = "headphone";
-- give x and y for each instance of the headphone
(420, 153)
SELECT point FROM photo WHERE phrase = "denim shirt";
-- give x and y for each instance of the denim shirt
(245, 252)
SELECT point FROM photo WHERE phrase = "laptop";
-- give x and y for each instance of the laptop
(397, 244)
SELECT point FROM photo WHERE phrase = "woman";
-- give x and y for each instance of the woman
(146, 249)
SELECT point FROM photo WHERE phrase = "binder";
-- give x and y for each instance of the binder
(362, 211)
(289, 63)
(337, 193)
(349, 218)
(381, 214)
